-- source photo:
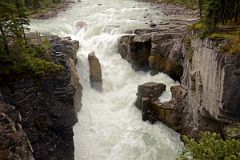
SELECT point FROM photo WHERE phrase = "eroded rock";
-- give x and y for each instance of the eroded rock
(136, 50)
(14, 143)
(147, 94)
(95, 71)
(80, 24)
(150, 50)
(48, 104)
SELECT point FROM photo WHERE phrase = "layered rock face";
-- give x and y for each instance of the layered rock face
(212, 80)
(157, 50)
(14, 143)
(48, 105)
(208, 97)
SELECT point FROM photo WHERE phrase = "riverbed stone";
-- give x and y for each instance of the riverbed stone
(95, 71)
(148, 93)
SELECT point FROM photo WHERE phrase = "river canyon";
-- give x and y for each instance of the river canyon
(109, 125)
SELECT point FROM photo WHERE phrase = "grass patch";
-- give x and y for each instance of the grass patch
(230, 33)
(199, 26)
(232, 36)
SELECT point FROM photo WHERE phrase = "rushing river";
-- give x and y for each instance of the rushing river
(110, 126)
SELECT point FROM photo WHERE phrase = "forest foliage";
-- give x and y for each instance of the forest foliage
(19, 58)
(214, 12)
(211, 146)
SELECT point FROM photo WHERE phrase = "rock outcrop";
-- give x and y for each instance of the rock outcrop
(153, 110)
(212, 82)
(208, 98)
(48, 105)
(14, 143)
(158, 48)
(148, 94)
(95, 72)
(154, 49)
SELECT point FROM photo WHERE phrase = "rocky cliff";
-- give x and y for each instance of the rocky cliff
(208, 98)
(212, 80)
(47, 105)
(157, 50)
(14, 143)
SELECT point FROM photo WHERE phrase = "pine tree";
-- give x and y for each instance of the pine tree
(212, 13)
(13, 22)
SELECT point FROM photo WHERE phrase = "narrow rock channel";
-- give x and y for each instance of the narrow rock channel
(110, 127)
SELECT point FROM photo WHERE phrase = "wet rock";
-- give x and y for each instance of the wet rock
(152, 24)
(148, 113)
(136, 50)
(95, 71)
(80, 24)
(153, 110)
(170, 112)
(159, 52)
(147, 94)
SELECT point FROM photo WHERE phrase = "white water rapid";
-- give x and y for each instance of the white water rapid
(110, 126)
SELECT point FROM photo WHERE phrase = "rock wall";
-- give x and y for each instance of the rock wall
(157, 50)
(208, 98)
(48, 105)
(14, 143)
(212, 80)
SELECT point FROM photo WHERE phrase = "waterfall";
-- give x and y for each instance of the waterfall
(110, 126)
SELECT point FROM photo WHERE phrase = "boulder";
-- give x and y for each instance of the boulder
(95, 71)
(153, 110)
(147, 94)
(80, 24)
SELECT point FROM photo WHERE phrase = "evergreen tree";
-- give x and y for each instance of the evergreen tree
(13, 22)
(212, 13)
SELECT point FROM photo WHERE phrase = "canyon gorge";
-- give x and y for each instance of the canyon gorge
(135, 78)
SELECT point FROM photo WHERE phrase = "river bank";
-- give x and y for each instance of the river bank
(110, 126)
(47, 13)
(206, 100)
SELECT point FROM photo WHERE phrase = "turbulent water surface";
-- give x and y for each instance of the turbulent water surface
(110, 126)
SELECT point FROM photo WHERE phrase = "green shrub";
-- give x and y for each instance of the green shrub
(28, 61)
(211, 146)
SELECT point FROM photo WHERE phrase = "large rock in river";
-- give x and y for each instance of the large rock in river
(95, 71)
(147, 94)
